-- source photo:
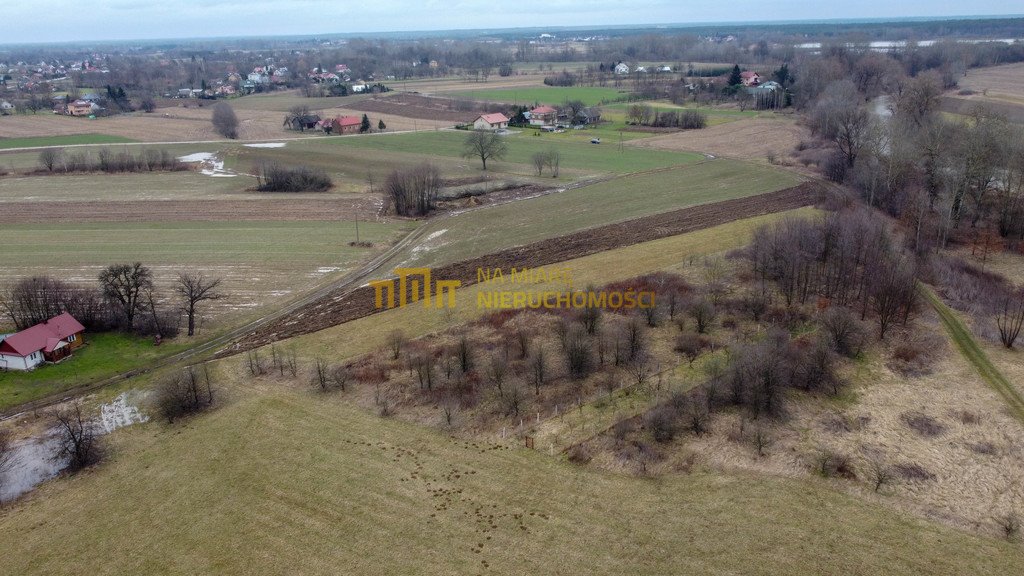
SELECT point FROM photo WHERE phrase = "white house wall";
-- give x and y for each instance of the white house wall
(12, 362)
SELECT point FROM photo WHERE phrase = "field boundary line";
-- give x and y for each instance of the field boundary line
(973, 353)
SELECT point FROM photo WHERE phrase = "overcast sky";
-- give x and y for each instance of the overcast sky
(71, 20)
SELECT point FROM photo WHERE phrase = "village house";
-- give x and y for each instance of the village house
(81, 108)
(543, 115)
(587, 116)
(764, 88)
(50, 341)
(258, 78)
(496, 121)
(750, 78)
(304, 122)
(346, 124)
(6, 108)
(621, 68)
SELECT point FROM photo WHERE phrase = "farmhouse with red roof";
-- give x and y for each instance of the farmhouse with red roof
(543, 116)
(50, 341)
(346, 124)
(496, 121)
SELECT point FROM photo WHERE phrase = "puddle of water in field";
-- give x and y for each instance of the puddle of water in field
(266, 145)
(32, 464)
(34, 460)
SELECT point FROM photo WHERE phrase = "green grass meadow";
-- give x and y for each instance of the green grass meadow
(576, 154)
(477, 233)
(552, 95)
(74, 139)
(103, 355)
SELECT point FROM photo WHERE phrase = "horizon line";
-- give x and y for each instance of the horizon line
(484, 31)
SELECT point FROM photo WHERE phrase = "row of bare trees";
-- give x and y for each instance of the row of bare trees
(123, 294)
(107, 160)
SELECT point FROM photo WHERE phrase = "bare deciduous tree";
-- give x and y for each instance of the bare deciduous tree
(396, 340)
(1010, 319)
(78, 442)
(183, 393)
(537, 366)
(879, 473)
(125, 285)
(194, 288)
(321, 374)
(513, 400)
(539, 160)
(50, 158)
(704, 314)
(761, 439)
(485, 146)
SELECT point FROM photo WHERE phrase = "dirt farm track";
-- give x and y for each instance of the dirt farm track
(349, 304)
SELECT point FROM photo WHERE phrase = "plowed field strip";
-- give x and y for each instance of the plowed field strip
(348, 304)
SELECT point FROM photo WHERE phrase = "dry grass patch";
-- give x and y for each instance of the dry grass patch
(746, 139)
(946, 439)
(282, 481)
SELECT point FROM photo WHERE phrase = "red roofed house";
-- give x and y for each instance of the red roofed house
(750, 78)
(51, 341)
(497, 121)
(543, 115)
(346, 124)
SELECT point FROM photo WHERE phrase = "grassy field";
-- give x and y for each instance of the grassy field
(287, 481)
(528, 96)
(477, 233)
(576, 155)
(62, 140)
(102, 356)
(259, 261)
(672, 254)
(123, 187)
(967, 346)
